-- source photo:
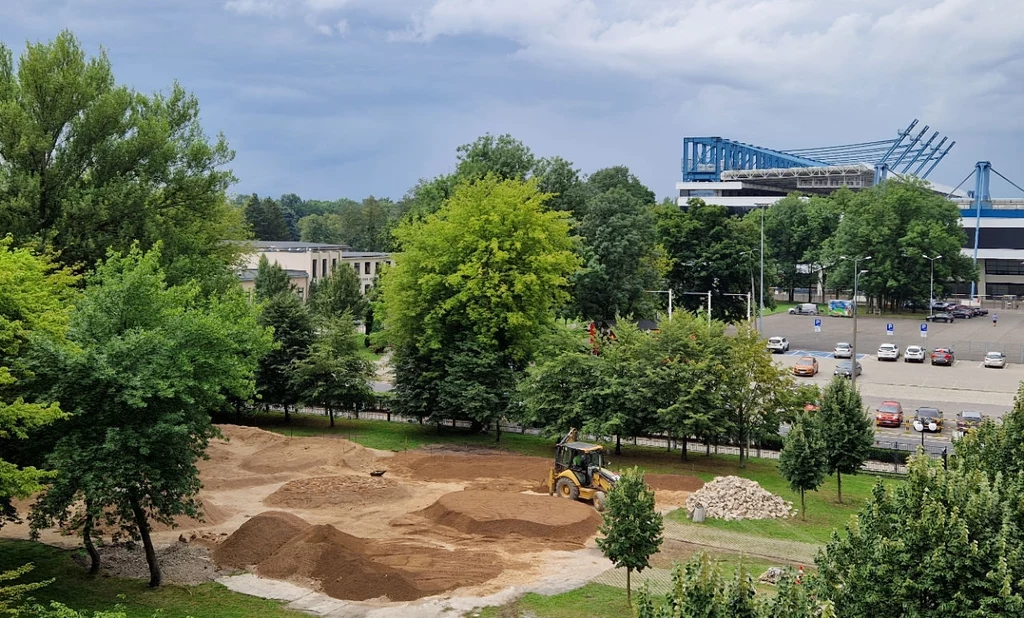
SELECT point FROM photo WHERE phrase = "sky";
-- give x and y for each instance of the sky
(348, 98)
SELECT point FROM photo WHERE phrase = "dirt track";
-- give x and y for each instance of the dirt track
(306, 510)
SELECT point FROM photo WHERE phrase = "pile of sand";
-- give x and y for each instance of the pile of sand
(467, 467)
(503, 514)
(213, 515)
(336, 492)
(283, 546)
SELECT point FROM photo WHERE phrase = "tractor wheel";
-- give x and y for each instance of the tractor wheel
(567, 489)
(599, 499)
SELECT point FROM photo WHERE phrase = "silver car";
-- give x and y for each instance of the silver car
(888, 351)
(843, 350)
(995, 359)
(915, 354)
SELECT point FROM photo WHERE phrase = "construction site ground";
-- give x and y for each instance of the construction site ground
(301, 519)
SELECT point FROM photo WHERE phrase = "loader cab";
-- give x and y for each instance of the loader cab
(581, 458)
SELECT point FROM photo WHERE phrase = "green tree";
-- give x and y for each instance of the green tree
(622, 260)
(484, 274)
(846, 432)
(144, 366)
(632, 529)
(699, 590)
(558, 177)
(503, 156)
(619, 177)
(35, 300)
(320, 228)
(266, 219)
(270, 280)
(802, 460)
(88, 165)
(292, 326)
(333, 375)
(338, 293)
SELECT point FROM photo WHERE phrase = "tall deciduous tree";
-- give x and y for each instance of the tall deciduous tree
(337, 293)
(632, 529)
(35, 300)
(802, 460)
(558, 177)
(145, 366)
(91, 165)
(292, 326)
(503, 156)
(333, 375)
(846, 432)
(484, 275)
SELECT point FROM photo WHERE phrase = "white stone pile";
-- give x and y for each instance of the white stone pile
(732, 497)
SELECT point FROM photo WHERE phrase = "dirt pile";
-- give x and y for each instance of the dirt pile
(503, 514)
(283, 546)
(505, 472)
(732, 497)
(336, 492)
(213, 515)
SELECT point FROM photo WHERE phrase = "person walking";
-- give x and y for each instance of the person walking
(995, 318)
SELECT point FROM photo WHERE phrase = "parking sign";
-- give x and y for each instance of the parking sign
(924, 330)
(817, 325)
(889, 328)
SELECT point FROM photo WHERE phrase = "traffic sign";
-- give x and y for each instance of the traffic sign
(889, 328)
(817, 325)
(924, 330)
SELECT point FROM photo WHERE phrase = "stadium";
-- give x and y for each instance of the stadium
(743, 177)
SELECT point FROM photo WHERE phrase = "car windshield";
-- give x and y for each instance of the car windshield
(775, 340)
(889, 408)
(842, 346)
(887, 346)
(994, 355)
(807, 360)
(927, 413)
(913, 349)
(967, 415)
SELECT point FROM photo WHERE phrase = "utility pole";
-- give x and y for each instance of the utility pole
(760, 312)
(709, 308)
(669, 292)
(931, 280)
(856, 278)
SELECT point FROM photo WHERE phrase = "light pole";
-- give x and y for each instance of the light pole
(857, 272)
(708, 294)
(931, 280)
(669, 292)
(760, 309)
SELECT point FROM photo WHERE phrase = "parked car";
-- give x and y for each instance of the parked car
(778, 345)
(995, 359)
(967, 420)
(888, 351)
(843, 350)
(941, 305)
(928, 419)
(962, 313)
(845, 369)
(804, 309)
(806, 366)
(942, 316)
(943, 356)
(914, 354)
(889, 414)
(980, 310)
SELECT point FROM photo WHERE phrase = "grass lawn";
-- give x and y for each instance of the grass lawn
(590, 601)
(76, 589)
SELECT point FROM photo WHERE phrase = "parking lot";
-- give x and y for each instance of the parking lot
(967, 385)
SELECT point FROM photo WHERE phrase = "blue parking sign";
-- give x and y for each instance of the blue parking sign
(817, 325)
(889, 328)
(924, 330)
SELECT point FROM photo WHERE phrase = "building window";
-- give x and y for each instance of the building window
(995, 290)
(1004, 267)
(323, 271)
(356, 266)
(376, 267)
(334, 264)
(366, 268)
(314, 269)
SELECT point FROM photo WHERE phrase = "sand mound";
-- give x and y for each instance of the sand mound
(248, 437)
(673, 482)
(307, 454)
(500, 514)
(213, 515)
(336, 491)
(459, 467)
(258, 538)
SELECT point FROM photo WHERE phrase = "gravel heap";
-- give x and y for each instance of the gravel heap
(732, 497)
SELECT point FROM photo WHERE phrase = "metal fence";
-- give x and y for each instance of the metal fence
(976, 350)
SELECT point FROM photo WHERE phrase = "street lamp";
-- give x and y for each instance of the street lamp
(931, 280)
(857, 272)
(669, 292)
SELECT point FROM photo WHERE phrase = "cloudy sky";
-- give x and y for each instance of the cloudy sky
(345, 98)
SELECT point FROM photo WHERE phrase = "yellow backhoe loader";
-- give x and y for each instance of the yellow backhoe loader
(579, 472)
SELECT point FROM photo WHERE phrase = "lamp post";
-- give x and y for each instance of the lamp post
(669, 292)
(931, 280)
(857, 272)
(760, 309)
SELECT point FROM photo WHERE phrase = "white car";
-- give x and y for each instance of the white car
(888, 351)
(843, 350)
(995, 359)
(778, 345)
(914, 354)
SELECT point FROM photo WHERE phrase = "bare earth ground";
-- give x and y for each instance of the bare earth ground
(440, 523)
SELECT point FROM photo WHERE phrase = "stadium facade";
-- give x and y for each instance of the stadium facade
(744, 177)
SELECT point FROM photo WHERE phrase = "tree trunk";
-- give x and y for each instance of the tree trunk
(803, 506)
(330, 413)
(839, 484)
(140, 520)
(686, 443)
(94, 556)
(287, 415)
(707, 447)
(497, 431)
(629, 588)
(618, 444)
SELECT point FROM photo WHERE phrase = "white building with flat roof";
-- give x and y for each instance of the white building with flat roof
(316, 261)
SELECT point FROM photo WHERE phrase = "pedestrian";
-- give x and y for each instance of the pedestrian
(995, 317)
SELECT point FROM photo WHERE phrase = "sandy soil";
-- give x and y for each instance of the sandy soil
(306, 510)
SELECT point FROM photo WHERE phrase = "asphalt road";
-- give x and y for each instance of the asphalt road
(967, 385)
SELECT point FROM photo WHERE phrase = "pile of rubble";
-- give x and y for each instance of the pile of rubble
(732, 497)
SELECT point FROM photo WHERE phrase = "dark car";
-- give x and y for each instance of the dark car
(967, 420)
(963, 313)
(943, 356)
(845, 369)
(980, 310)
(928, 419)
(942, 316)
(941, 305)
